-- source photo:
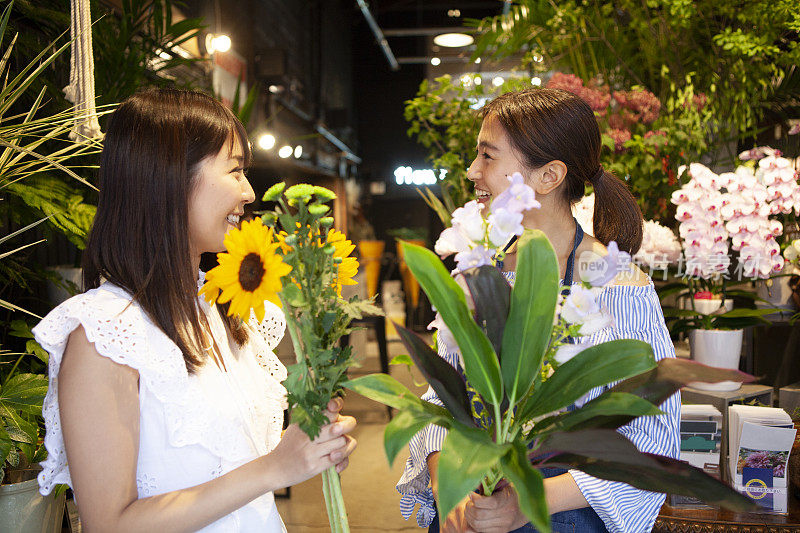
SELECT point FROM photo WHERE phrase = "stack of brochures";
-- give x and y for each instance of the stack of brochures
(759, 442)
(701, 431)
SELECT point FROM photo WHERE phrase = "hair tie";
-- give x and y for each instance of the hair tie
(597, 175)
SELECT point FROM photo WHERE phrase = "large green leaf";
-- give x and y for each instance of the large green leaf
(5, 449)
(529, 485)
(467, 456)
(401, 428)
(388, 391)
(24, 392)
(671, 374)
(610, 410)
(492, 296)
(443, 378)
(595, 366)
(530, 318)
(607, 454)
(480, 362)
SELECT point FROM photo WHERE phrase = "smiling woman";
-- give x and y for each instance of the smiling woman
(163, 412)
(539, 148)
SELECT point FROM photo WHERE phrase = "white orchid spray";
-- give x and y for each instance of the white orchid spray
(475, 238)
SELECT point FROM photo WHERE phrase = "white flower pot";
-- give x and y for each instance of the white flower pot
(709, 306)
(718, 348)
(24, 510)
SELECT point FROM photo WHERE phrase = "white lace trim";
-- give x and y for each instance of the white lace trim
(121, 331)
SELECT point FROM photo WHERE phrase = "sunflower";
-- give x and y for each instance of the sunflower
(249, 273)
(349, 265)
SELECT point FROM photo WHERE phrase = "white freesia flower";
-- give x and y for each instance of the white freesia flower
(565, 352)
(451, 241)
(503, 224)
(581, 307)
(477, 257)
(444, 333)
(469, 221)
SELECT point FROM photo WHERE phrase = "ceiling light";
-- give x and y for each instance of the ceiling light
(435, 61)
(298, 151)
(453, 12)
(537, 81)
(217, 43)
(285, 151)
(276, 89)
(266, 141)
(453, 40)
(497, 81)
(478, 80)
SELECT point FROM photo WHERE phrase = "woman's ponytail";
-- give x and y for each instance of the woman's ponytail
(617, 216)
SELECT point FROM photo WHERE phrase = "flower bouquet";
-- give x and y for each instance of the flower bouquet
(292, 257)
(523, 370)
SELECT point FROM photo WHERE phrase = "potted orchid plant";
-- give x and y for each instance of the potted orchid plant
(720, 214)
(522, 370)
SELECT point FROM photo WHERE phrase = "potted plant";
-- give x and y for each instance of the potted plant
(719, 213)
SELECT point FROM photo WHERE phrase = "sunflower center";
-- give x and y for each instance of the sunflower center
(251, 272)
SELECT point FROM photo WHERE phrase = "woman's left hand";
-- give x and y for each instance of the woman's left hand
(498, 513)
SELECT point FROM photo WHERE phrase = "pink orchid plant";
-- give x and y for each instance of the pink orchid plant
(724, 213)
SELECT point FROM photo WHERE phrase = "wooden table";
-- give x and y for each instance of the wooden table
(675, 520)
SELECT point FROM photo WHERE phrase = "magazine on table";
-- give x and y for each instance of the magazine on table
(759, 442)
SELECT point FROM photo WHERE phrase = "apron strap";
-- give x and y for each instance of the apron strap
(567, 283)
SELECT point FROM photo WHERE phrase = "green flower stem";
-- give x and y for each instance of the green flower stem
(326, 492)
(335, 501)
(291, 325)
(331, 486)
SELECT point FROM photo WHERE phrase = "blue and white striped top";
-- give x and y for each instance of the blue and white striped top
(624, 509)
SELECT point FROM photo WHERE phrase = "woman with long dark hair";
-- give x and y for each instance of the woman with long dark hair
(164, 413)
(552, 138)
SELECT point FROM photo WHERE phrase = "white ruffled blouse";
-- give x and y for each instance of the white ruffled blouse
(192, 428)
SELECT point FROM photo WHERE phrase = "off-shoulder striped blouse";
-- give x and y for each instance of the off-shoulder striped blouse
(625, 509)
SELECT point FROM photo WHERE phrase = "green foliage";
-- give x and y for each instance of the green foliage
(444, 120)
(531, 313)
(737, 52)
(316, 314)
(244, 110)
(446, 296)
(529, 418)
(128, 48)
